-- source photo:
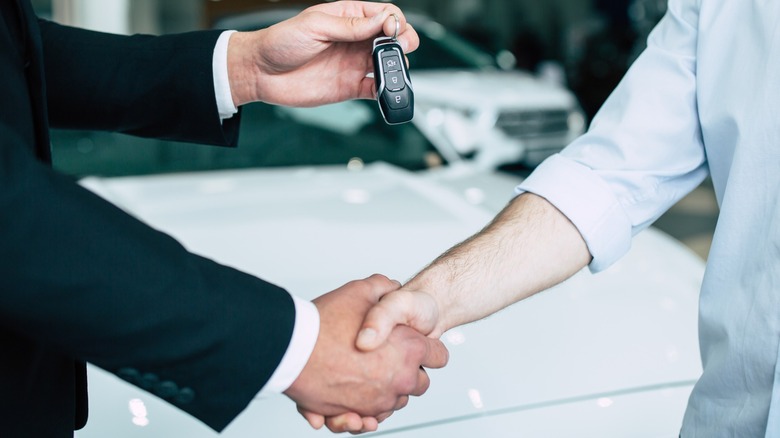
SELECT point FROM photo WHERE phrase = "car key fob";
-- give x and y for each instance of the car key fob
(393, 86)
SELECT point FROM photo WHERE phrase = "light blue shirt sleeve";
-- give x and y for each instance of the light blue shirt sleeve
(643, 151)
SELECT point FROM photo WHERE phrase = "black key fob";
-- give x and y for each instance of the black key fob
(393, 86)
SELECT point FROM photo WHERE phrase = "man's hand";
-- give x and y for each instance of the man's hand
(318, 57)
(415, 309)
(366, 386)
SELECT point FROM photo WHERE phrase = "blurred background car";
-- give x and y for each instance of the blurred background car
(477, 100)
(271, 136)
(313, 198)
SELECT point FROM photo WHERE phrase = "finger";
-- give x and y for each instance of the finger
(351, 28)
(356, 8)
(423, 383)
(370, 424)
(380, 320)
(409, 39)
(401, 403)
(379, 12)
(349, 422)
(415, 309)
(390, 25)
(367, 88)
(436, 354)
(384, 416)
(381, 285)
(316, 421)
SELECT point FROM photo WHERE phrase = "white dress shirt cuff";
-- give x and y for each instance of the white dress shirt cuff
(305, 332)
(225, 104)
(586, 199)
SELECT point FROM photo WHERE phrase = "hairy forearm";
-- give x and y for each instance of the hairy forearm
(529, 247)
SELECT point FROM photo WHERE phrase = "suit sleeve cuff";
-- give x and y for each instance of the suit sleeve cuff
(222, 90)
(580, 194)
(304, 337)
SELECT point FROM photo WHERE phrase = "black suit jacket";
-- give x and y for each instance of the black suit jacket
(81, 281)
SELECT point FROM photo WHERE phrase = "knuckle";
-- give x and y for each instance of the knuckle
(379, 278)
(423, 384)
(354, 21)
(355, 25)
(402, 402)
(417, 351)
(386, 404)
(383, 416)
(407, 383)
(445, 356)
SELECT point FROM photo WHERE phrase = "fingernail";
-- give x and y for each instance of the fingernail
(366, 336)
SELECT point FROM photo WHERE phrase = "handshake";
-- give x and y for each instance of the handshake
(371, 354)
(376, 338)
(368, 359)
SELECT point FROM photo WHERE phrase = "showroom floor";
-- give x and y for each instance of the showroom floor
(692, 220)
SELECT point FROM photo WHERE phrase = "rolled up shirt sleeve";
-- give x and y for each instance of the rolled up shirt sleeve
(643, 151)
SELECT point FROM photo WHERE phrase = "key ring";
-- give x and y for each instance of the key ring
(397, 25)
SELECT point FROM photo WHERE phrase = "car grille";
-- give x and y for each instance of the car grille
(534, 124)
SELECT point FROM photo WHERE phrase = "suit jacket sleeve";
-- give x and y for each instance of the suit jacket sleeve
(89, 280)
(149, 86)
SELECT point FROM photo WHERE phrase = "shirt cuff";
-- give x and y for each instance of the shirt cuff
(225, 104)
(304, 336)
(580, 194)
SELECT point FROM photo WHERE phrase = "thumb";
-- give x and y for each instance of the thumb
(417, 310)
(352, 28)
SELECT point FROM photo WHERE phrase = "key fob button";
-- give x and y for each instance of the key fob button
(395, 80)
(397, 100)
(392, 62)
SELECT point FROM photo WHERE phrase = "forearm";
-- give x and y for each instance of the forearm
(529, 247)
(92, 282)
(148, 86)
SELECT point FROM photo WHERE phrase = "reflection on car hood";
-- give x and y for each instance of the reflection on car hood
(495, 89)
(608, 352)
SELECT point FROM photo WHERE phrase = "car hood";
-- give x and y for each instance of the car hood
(592, 353)
(490, 89)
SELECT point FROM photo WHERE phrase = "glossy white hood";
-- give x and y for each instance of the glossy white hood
(597, 356)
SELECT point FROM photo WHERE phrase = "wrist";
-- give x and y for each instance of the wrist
(243, 71)
(430, 283)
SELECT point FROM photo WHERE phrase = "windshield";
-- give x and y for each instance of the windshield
(270, 136)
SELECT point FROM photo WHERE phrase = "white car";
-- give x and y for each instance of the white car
(607, 355)
(478, 101)
(502, 117)
(484, 105)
